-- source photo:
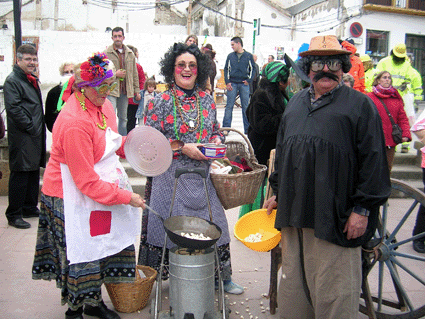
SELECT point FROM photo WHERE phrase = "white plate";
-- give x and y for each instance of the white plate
(148, 151)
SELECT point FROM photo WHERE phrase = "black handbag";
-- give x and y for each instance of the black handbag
(397, 132)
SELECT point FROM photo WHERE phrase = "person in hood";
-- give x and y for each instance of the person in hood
(330, 178)
(357, 70)
(66, 70)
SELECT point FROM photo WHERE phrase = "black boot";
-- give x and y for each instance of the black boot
(101, 312)
(78, 314)
(419, 246)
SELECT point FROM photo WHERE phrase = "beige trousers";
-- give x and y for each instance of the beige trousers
(333, 278)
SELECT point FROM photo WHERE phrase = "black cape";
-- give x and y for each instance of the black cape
(328, 160)
(264, 112)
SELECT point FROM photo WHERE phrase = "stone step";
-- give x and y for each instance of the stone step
(406, 172)
(411, 158)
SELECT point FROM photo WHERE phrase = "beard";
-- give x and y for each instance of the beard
(323, 74)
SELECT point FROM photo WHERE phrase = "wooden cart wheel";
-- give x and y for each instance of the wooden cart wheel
(393, 283)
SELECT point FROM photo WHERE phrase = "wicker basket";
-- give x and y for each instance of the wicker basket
(235, 190)
(131, 297)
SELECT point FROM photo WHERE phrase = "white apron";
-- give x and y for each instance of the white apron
(94, 231)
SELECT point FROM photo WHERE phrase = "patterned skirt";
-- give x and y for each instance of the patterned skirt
(79, 283)
(150, 255)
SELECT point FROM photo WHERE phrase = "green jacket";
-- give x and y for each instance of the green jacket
(405, 77)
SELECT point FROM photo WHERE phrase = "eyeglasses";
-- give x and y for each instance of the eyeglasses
(30, 59)
(333, 65)
(386, 77)
(183, 65)
(104, 88)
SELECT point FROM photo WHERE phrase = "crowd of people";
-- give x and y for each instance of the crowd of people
(332, 138)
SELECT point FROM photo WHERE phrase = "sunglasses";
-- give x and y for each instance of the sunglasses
(68, 72)
(333, 65)
(183, 65)
(104, 88)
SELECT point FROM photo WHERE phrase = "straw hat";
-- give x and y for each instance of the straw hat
(365, 58)
(324, 45)
(400, 50)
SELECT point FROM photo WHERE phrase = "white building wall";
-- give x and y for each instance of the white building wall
(265, 43)
(325, 18)
(398, 26)
(269, 38)
(74, 16)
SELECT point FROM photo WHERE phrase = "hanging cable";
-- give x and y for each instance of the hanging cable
(325, 24)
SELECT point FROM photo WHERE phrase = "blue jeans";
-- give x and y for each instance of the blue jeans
(243, 91)
(120, 105)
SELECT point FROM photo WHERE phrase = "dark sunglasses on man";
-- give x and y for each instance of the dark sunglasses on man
(333, 65)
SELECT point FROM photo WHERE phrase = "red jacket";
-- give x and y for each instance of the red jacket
(395, 106)
(142, 80)
(357, 69)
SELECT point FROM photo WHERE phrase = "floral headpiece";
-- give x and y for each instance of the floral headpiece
(95, 70)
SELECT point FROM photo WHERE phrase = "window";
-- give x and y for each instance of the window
(380, 2)
(377, 44)
(417, 4)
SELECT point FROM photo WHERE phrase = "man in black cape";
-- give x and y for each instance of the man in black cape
(331, 177)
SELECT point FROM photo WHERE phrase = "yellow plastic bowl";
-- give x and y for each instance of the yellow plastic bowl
(254, 222)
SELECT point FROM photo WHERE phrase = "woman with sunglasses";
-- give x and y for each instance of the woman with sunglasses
(385, 96)
(184, 112)
(89, 215)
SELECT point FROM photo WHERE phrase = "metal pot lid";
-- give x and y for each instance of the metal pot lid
(148, 151)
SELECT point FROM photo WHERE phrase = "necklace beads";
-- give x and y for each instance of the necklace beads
(190, 125)
(82, 101)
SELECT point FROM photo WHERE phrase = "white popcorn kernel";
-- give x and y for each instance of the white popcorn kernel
(253, 238)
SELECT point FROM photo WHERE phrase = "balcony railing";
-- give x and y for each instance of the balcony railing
(410, 6)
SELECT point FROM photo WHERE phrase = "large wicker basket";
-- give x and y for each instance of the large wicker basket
(131, 297)
(235, 190)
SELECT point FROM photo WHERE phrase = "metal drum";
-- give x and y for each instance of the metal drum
(191, 282)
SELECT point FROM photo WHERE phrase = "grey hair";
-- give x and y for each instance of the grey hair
(63, 65)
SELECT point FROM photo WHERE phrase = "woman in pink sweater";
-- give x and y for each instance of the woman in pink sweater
(384, 93)
(89, 215)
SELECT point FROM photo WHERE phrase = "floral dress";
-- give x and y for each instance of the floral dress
(191, 119)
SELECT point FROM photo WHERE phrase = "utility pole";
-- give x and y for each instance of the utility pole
(56, 15)
(17, 23)
(38, 24)
(189, 19)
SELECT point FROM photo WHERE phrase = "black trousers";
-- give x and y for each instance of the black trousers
(23, 193)
(131, 116)
(420, 218)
